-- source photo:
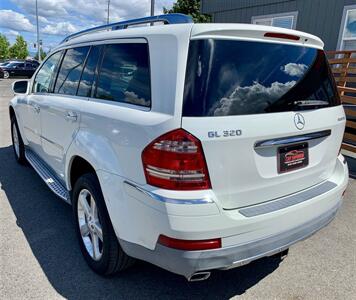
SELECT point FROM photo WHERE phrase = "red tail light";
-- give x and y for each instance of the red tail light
(189, 245)
(175, 161)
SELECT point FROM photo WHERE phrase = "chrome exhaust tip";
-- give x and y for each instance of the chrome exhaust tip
(199, 276)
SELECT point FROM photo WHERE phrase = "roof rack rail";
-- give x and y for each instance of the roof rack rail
(166, 19)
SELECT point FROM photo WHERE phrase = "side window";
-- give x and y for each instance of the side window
(70, 71)
(44, 76)
(88, 74)
(124, 75)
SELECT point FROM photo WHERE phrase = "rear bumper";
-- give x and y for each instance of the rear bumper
(245, 235)
(187, 263)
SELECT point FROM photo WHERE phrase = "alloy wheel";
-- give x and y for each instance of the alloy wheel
(89, 224)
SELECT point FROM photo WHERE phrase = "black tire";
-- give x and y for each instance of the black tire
(20, 154)
(113, 258)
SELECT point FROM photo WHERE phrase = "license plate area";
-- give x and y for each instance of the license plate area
(293, 157)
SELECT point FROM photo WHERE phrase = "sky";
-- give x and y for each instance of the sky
(59, 18)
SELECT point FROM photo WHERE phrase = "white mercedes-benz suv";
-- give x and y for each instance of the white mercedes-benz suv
(194, 147)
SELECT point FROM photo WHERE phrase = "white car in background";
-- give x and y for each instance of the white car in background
(194, 147)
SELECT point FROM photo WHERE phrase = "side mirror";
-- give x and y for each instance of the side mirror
(20, 86)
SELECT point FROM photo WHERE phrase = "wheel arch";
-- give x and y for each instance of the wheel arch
(76, 168)
(96, 150)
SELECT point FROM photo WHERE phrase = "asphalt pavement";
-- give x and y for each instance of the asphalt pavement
(40, 257)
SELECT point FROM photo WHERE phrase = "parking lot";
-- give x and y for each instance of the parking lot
(40, 257)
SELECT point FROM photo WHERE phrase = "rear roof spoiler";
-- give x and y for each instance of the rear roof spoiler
(255, 32)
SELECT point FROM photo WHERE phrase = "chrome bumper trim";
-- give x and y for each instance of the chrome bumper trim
(274, 205)
(160, 198)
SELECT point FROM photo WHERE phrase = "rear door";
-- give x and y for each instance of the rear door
(60, 111)
(268, 115)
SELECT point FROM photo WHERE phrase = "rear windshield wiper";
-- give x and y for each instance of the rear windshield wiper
(303, 103)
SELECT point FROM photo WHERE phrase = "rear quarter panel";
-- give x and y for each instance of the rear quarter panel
(113, 135)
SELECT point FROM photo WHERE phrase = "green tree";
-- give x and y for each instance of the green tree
(19, 48)
(189, 7)
(4, 47)
(43, 54)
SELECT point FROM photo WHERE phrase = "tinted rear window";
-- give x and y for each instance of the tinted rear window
(239, 77)
(124, 75)
(70, 71)
(88, 75)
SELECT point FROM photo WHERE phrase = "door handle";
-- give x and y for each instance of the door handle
(36, 108)
(71, 116)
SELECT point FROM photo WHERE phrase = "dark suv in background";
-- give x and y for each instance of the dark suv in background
(18, 68)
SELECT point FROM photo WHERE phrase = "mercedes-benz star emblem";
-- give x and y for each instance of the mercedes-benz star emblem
(299, 121)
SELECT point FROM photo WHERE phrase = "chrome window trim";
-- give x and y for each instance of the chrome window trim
(292, 139)
(120, 104)
(62, 95)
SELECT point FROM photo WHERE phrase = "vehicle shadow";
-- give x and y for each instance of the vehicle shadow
(46, 222)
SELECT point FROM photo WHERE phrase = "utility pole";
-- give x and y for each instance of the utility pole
(108, 17)
(38, 36)
(152, 7)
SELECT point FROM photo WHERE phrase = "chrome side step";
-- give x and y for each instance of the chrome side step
(47, 175)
